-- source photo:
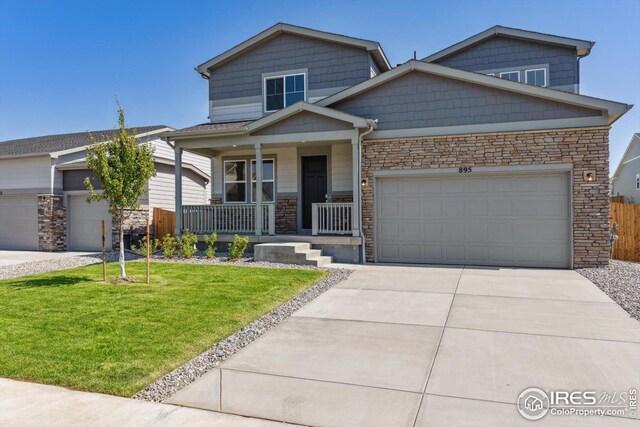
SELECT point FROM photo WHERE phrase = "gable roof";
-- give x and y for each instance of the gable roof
(48, 144)
(244, 127)
(611, 108)
(635, 139)
(373, 47)
(583, 47)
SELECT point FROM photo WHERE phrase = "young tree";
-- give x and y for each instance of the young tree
(123, 167)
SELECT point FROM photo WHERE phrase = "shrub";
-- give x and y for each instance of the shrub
(169, 246)
(237, 248)
(142, 249)
(187, 244)
(210, 252)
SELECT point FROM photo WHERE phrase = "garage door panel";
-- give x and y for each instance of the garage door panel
(19, 222)
(516, 219)
(85, 224)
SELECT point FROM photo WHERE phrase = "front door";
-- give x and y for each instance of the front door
(314, 185)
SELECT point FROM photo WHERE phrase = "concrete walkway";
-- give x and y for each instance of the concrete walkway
(25, 404)
(418, 346)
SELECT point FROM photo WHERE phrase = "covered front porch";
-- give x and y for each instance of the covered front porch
(304, 158)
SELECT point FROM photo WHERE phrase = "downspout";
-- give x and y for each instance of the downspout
(372, 125)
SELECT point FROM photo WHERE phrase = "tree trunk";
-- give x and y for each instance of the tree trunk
(122, 270)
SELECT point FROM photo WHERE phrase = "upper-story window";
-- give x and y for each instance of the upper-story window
(536, 77)
(282, 91)
(514, 76)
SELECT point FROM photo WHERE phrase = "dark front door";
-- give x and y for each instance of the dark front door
(314, 185)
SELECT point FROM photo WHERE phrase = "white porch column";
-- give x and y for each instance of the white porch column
(178, 193)
(355, 172)
(258, 189)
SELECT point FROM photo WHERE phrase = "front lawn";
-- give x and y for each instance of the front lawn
(68, 328)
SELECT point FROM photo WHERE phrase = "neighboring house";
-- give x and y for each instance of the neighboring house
(626, 179)
(433, 161)
(43, 197)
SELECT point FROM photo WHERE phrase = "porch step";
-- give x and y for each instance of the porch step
(290, 253)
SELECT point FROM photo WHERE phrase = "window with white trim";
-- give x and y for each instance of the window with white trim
(537, 77)
(268, 180)
(282, 91)
(514, 76)
(235, 181)
(638, 181)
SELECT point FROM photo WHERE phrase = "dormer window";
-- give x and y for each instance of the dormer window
(282, 91)
(514, 76)
(536, 77)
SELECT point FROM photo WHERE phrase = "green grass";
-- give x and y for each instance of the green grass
(68, 328)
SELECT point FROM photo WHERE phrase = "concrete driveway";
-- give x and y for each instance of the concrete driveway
(19, 257)
(431, 346)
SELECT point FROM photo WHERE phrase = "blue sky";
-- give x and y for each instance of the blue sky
(64, 61)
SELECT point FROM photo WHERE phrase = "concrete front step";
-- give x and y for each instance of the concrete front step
(290, 253)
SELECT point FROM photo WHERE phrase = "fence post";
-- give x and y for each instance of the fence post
(104, 256)
(148, 249)
(314, 219)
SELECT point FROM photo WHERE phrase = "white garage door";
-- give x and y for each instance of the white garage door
(85, 227)
(508, 220)
(19, 222)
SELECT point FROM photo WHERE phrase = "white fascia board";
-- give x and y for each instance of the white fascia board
(635, 139)
(613, 108)
(583, 47)
(369, 45)
(298, 107)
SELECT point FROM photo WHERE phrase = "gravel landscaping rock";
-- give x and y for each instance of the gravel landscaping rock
(36, 267)
(621, 281)
(171, 383)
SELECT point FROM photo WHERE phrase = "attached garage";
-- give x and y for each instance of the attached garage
(85, 224)
(19, 222)
(508, 219)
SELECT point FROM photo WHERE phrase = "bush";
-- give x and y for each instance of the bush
(210, 252)
(169, 246)
(142, 249)
(237, 248)
(187, 244)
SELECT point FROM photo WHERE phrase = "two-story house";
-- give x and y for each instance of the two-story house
(484, 153)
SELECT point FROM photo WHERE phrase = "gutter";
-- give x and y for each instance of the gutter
(373, 124)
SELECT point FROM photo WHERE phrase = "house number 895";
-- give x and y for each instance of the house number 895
(464, 170)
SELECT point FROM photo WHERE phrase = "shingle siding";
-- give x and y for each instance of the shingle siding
(329, 65)
(502, 52)
(304, 122)
(419, 100)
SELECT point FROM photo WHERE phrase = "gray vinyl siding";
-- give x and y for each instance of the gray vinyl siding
(625, 183)
(304, 122)
(162, 188)
(73, 180)
(418, 100)
(329, 65)
(502, 52)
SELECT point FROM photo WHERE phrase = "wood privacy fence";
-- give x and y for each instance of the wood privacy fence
(164, 222)
(627, 216)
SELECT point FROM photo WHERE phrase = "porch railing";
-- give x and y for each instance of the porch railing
(227, 219)
(331, 218)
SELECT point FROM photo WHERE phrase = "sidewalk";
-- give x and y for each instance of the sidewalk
(28, 404)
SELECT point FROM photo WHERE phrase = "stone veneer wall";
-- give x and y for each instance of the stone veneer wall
(586, 149)
(52, 223)
(341, 198)
(136, 219)
(286, 214)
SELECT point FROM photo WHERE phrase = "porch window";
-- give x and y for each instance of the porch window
(268, 180)
(282, 91)
(235, 181)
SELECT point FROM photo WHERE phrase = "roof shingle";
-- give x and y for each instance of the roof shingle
(52, 143)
